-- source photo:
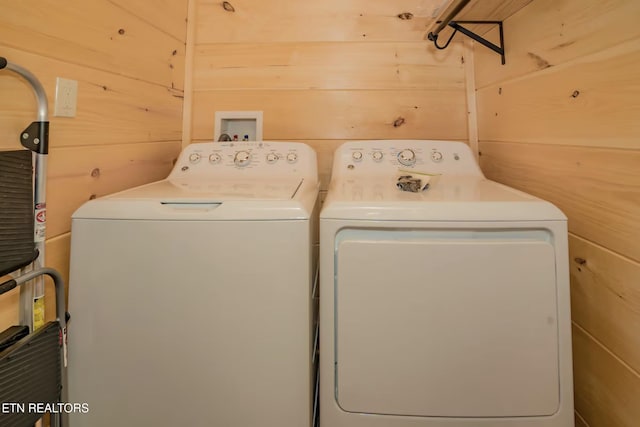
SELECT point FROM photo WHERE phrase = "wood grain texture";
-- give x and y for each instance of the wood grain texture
(328, 65)
(480, 10)
(111, 109)
(96, 34)
(606, 392)
(77, 174)
(304, 114)
(579, 421)
(57, 256)
(470, 88)
(491, 10)
(549, 33)
(591, 101)
(302, 21)
(161, 14)
(605, 298)
(187, 102)
(598, 189)
(571, 79)
(9, 303)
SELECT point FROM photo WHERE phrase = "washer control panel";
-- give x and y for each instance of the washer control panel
(246, 159)
(389, 156)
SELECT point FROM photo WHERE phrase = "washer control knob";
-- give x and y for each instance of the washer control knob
(242, 158)
(272, 158)
(194, 158)
(377, 156)
(436, 156)
(215, 158)
(357, 156)
(407, 157)
(292, 157)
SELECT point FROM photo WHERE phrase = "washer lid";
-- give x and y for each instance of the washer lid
(177, 190)
(172, 200)
(449, 198)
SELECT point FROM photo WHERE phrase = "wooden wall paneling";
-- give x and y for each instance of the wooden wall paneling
(564, 109)
(190, 56)
(18, 108)
(97, 34)
(589, 101)
(9, 307)
(491, 10)
(480, 10)
(605, 298)
(580, 422)
(161, 15)
(77, 174)
(606, 391)
(470, 86)
(598, 189)
(111, 108)
(364, 114)
(328, 65)
(298, 21)
(57, 252)
(548, 33)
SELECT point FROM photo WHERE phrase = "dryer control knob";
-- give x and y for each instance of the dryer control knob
(377, 156)
(242, 158)
(357, 156)
(194, 158)
(407, 157)
(215, 158)
(436, 156)
(292, 157)
(272, 158)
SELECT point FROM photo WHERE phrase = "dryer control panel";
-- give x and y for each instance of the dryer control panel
(385, 157)
(246, 159)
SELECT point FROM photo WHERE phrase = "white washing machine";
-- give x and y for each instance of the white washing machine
(444, 307)
(191, 297)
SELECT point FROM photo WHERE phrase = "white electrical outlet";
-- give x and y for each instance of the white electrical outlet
(66, 97)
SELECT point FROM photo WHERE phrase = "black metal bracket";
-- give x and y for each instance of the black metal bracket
(457, 27)
(36, 137)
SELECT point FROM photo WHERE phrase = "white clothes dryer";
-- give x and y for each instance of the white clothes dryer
(192, 296)
(443, 307)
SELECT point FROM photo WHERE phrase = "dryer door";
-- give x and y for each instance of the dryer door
(452, 323)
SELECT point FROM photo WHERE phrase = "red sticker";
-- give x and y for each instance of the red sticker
(41, 217)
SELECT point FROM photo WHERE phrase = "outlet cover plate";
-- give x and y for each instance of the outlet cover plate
(66, 97)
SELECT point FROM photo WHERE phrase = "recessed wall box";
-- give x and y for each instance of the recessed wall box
(244, 125)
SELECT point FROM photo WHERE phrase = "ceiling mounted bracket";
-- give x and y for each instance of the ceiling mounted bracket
(433, 36)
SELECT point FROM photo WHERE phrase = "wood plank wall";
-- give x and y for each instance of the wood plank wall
(326, 72)
(128, 59)
(560, 121)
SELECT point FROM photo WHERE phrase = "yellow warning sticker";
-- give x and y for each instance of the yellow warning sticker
(38, 313)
